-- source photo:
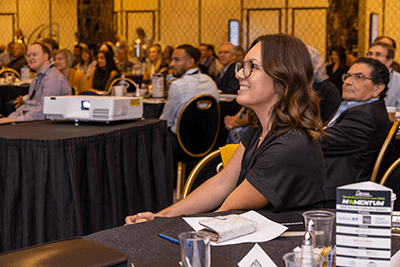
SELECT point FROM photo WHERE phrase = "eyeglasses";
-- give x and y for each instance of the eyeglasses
(377, 54)
(247, 67)
(356, 78)
(223, 52)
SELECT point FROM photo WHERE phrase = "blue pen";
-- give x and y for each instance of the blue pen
(169, 238)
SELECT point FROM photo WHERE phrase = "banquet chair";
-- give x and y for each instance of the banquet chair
(205, 169)
(132, 86)
(391, 179)
(389, 171)
(382, 153)
(5, 70)
(197, 131)
(209, 166)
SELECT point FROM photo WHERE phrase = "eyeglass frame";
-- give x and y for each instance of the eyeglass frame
(241, 66)
(361, 77)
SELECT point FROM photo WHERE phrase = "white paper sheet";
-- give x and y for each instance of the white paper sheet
(256, 257)
(266, 229)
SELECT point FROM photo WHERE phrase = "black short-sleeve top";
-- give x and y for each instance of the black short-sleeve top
(288, 170)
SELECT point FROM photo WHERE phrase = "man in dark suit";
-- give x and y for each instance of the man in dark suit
(226, 80)
(355, 134)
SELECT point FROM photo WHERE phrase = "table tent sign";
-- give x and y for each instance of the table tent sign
(363, 225)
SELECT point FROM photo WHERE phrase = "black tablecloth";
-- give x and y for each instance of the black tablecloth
(58, 180)
(142, 244)
(9, 92)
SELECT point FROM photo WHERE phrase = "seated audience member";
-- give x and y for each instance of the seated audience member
(238, 53)
(338, 67)
(266, 171)
(355, 134)
(87, 63)
(77, 55)
(239, 122)
(226, 80)
(191, 83)
(18, 52)
(53, 47)
(124, 65)
(108, 47)
(350, 58)
(390, 41)
(6, 57)
(236, 125)
(76, 79)
(207, 63)
(329, 97)
(155, 64)
(48, 81)
(167, 55)
(211, 51)
(385, 54)
(104, 72)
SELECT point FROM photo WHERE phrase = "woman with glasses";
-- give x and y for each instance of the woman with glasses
(278, 165)
(338, 66)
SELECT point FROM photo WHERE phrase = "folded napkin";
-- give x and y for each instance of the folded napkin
(227, 152)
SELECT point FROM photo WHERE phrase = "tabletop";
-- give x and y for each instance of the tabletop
(142, 243)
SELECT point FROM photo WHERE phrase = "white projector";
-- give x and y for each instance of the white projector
(92, 108)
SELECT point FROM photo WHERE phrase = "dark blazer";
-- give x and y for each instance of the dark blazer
(352, 144)
(228, 84)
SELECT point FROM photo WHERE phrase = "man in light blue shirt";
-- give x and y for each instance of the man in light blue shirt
(48, 81)
(190, 83)
(385, 54)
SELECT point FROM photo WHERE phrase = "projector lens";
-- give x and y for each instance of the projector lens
(85, 105)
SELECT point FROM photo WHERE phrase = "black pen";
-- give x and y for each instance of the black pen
(169, 238)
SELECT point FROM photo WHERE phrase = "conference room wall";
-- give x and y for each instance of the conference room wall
(35, 16)
(388, 12)
(195, 21)
(206, 21)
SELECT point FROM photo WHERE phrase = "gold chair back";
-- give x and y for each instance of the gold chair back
(389, 171)
(214, 158)
(5, 70)
(117, 80)
(389, 137)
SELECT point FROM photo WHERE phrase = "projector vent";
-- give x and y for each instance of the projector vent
(100, 113)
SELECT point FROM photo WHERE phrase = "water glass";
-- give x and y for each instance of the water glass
(195, 251)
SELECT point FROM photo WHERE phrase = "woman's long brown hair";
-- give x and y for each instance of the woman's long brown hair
(287, 61)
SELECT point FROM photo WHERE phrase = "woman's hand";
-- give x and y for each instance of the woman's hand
(140, 217)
